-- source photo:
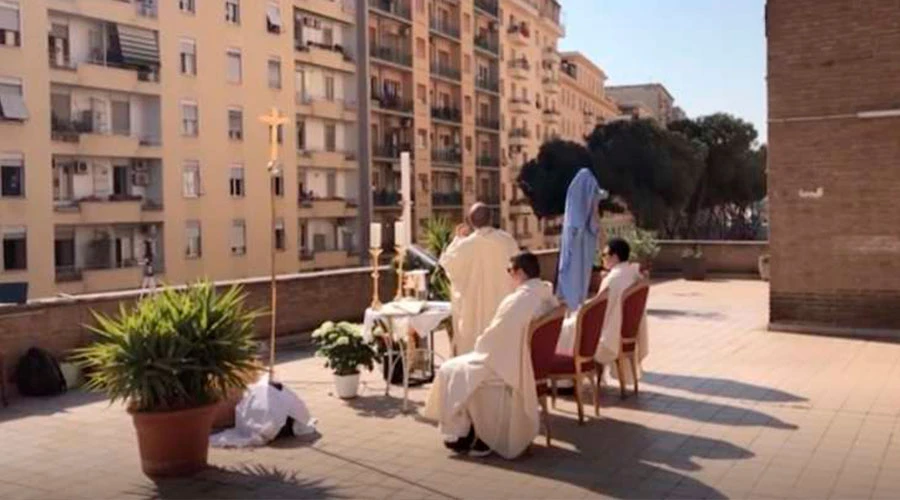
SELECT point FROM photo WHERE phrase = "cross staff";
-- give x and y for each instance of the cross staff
(273, 121)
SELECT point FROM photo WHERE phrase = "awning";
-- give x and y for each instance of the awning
(273, 14)
(9, 18)
(12, 107)
(139, 46)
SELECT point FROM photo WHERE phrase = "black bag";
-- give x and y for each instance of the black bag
(38, 374)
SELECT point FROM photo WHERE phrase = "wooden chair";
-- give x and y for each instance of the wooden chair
(543, 336)
(634, 305)
(588, 324)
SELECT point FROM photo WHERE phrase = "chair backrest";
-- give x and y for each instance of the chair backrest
(590, 323)
(634, 303)
(543, 337)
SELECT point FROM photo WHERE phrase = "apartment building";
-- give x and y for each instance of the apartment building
(532, 91)
(434, 70)
(584, 103)
(637, 100)
(129, 129)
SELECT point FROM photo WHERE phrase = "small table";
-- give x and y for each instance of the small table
(396, 324)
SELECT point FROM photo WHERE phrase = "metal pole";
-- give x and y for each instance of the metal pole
(272, 169)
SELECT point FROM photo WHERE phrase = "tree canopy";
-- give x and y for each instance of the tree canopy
(679, 180)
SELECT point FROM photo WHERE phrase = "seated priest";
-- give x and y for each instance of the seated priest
(486, 400)
(621, 275)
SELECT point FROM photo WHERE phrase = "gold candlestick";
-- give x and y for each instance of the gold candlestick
(400, 255)
(375, 252)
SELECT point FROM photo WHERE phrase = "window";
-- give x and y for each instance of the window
(233, 11)
(329, 88)
(12, 173)
(330, 137)
(12, 102)
(420, 48)
(238, 237)
(235, 124)
(15, 254)
(274, 73)
(188, 6)
(273, 18)
(279, 234)
(422, 139)
(301, 133)
(422, 93)
(188, 56)
(278, 185)
(10, 25)
(234, 74)
(193, 248)
(236, 182)
(190, 119)
(279, 134)
(190, 179)
(121, 117)
(328, 36)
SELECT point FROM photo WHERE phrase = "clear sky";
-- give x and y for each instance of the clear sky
(710, 54)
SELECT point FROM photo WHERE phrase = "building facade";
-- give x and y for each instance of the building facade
(833, 155)
(654, 97)
(139, 138)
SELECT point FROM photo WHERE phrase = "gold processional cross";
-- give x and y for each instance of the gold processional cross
(273, 121)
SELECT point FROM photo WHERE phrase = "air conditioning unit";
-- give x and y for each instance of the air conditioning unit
(140, 165)
(81, 167)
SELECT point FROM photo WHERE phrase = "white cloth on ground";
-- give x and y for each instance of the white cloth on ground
(261, 414)
(476, 266)
(620, 278)
(493, 387)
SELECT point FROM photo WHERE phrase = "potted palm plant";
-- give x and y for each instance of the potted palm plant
(345, 350)
(693, 264)
(172, 358)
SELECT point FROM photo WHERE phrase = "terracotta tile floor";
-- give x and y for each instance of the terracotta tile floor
(726, 410)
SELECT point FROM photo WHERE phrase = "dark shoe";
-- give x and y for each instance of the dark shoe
(462, 445)
(480, 449)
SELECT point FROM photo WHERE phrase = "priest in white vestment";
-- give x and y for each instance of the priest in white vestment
(621, 276)
(486, 400)
(475, 264)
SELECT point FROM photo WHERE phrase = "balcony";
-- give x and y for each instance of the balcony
(116, 209)
(86, 138)
(312, 207)
(344, 11)
(487, 161)
(488, 43)
(445, 71)
(489, 7)
(551, 55)
(519, 105)
(327, 259)
(489, 123)
(518, 34)
(390, 151)
(451, 156)
(105, 75)
(319, 158)
(551, 117)
(394, 55)
(519, 69)
(334, 56)
(392, 103)
(394, 8)
(323, 107)
(519, 136)
(132, 12)
(487, 84)
(446, 114)
(551, 84)
(444, 27)
(451, 200)
(383, 198)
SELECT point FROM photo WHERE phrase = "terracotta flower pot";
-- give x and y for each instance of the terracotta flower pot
(174, 443)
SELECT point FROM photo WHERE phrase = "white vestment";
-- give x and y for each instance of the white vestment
(620, 278)
(476, 266)
(493, 387)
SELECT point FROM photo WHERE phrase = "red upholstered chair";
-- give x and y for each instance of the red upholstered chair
(543, 336)
(634, 305)
(588, 324)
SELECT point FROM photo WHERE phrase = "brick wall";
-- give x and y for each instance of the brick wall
(834, 177)
(738, 258)
(304, 302)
